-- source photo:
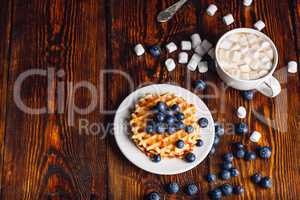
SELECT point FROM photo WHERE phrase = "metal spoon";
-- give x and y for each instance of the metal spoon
(168, 13)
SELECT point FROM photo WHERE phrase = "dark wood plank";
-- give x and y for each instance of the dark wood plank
(45, 157)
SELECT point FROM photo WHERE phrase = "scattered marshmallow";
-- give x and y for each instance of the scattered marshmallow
(255, 136)
(206, 45)
(228, 19)
(186, 45)
(292, 67)
(200, 50)
(212, 9)
(196, 40)
(192, 65)
(202, 67)
(247, 2)
(170, 64)
(183, 57)
(259, 25)
(241, 112)
(139, 49)
(171, 47)
(212, 53)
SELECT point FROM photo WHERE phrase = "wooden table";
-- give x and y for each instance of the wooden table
(45, 157)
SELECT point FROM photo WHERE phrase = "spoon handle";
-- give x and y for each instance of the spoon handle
(169, 12)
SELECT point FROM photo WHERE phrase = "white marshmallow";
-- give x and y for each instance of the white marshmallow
(212, 53)
(264, 45)
(202, 67)
(171, 47)
(200, 50)
(265, 59)
(292, 67)
(266, 66)
(263, 73)
(255, 136)
(192, 65)
(139, 49)
(212, 9)
(186, 45)
(228, 19)
(226, 44)
(270, 53)
(170, 64)
(241, 112)
(183, 57)
(245, 76)
(206, 45)
(247, 2)
(196, 40)
(235, 47)
(236, 56)
(245, 68)
(259, 25)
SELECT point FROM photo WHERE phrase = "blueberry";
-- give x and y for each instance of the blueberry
(241, 128)
(155, 50)
(265, 152)
(227, 165)
(200, 85)
(189, 129)
(179, 125)
(240, 153)
(191, 189)
(169, 112)
(238, 190)
(216, 140)
(156, 158)
(266, 182)
(239, 145)
(172, 188)
(161, 106)
(256, 178)
(216, 194)
(211, 178)
(226, 189)
(249, 155)
(199, 143)
(228, 157)
(248, 95)
(180, 144)
(170, 120)
(160, 117)
(171, 129)
(212, 151)
(153, 196)
(225, 175)
(175, 108)
(149, 129)
(203, 122)
(190, 157)
(179, 116)
(234, 172)
(219, 130)
(160, 128)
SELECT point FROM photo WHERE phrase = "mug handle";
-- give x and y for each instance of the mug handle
(270, 88)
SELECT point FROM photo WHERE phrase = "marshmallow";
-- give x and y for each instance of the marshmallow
(228, 19)
(202, 67)
(270, 53)
(259, 25)
(241, 112)
(236, 56)
(247, 2)
(200, 51)
(292, 67)
(186, 45)
(139, 49)
(170, 64)
(212, 9)
(171, 47)
(226, 44)
(183, 57)
(212, 53)
(192, 65)
(245, 68)
(196, 40)
(206, 45)
(255, 136)
(263, 73)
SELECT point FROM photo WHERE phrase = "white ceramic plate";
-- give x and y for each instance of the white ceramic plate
(166, 166)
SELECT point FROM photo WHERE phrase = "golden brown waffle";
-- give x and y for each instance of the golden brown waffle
(163, 144)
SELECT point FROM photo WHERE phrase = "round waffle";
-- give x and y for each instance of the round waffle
(163, 144)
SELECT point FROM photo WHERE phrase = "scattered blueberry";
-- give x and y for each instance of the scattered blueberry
(228, 157)
(156, 158)
(179, 125)
(179, 116)
(171, 129)
(161, 106)
(219, 130)
(155, 50)
(266, 182)
(212, 151)
(200, 85)
(153, 196)
(189, 129)
(241, 128)
(226, 189)
(225, 175)
(256, 178)
(238, 190)
(227, 165)
(265, 152)
(175, 108)
(199, 143)
(240, 153)
(180, 144)
(160, 117)
(160, 128)
(149, 129)
(170, 120)
(172, 188)
(203, 122)
(191, 189)
(216, 140)
(239, 145)
(211, 177)
(190, 157)
(248, 95)
(234, 172)
(249, 155)
(216, 194)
